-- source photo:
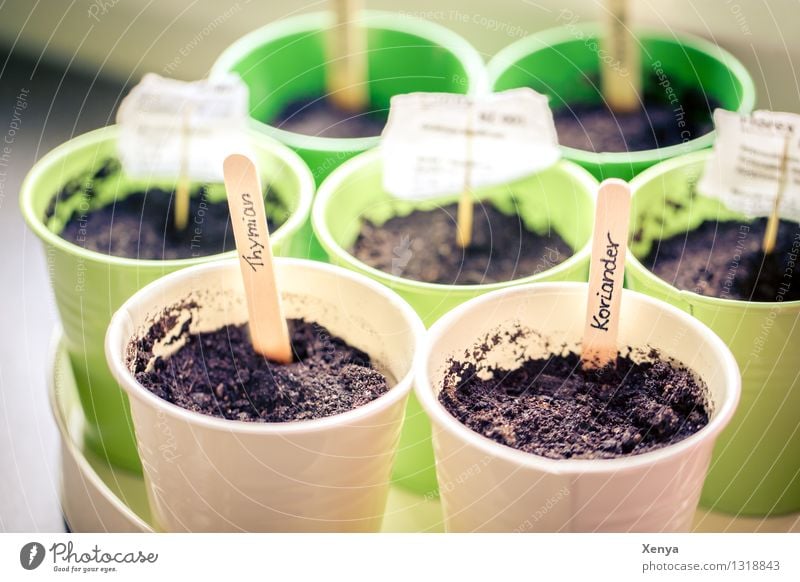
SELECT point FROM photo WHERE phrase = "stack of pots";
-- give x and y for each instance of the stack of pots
(333, 474)
(549, 63)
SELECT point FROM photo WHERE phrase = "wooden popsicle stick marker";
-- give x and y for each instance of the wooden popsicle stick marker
(771, 232)
(620, 73)
(268, 329)
(606, 270)
(346, 74)
(466, 205)
(182, 190)
(464, 217)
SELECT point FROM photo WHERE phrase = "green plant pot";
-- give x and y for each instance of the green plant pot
(90, 286)
(285, 61)
(561, 197)
(757, 459)
(563, 63)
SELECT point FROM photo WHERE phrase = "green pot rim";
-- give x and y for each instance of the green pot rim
(561, 35)
(656, 172)
(331, 184)
(311, 23)
(92, 138)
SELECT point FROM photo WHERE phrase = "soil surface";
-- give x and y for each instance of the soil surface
(422, 246)
(595, 128)
(141, 225)
(724, 259)
(320, 117)
(219, 374)
(554, 408)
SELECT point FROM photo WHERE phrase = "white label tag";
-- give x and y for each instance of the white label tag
(163, 119)
(744, 171)
(432, 139)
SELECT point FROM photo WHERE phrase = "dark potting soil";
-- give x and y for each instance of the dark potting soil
(724, 259)
(219, 374)
(422, 246)
(322, 118)
(141, 225)
(595, 128)
(554, 408)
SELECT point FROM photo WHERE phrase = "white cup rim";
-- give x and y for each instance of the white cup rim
(116, 342)
(439, 415)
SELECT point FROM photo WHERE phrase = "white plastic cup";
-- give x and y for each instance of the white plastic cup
(330, 474)
(486, 486)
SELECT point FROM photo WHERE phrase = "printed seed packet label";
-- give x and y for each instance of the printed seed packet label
(432, 141)
(747, 170)
(161, 120)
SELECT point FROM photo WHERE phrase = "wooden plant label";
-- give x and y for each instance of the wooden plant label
(466, 202)
(268, 329)
(182, 202)
(606, 271)
(347, 58)
(620, 73)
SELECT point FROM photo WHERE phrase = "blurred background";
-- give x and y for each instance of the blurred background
(123, 39)
(72, 61)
